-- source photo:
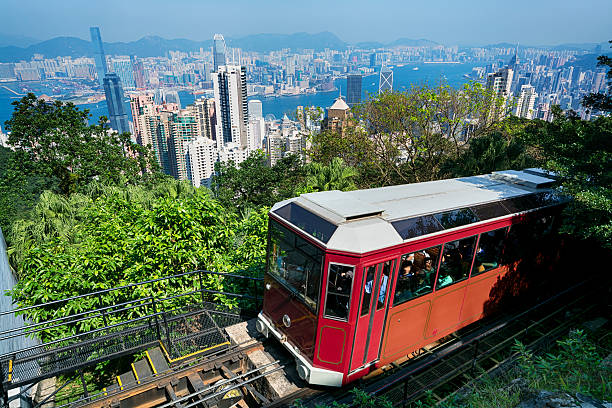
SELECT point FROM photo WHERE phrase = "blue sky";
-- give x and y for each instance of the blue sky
(532, 22)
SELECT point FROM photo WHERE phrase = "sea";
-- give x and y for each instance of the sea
(403, 78)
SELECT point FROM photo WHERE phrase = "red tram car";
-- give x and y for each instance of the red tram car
(356, 280)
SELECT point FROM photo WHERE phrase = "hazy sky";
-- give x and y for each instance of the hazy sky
(530, 22)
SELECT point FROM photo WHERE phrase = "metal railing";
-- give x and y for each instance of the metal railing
(194, 312)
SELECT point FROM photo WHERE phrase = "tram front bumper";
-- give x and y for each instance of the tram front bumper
(306, 371)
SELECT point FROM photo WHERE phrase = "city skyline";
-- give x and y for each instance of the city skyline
(541, 23)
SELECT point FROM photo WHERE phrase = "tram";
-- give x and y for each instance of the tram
(356, 280)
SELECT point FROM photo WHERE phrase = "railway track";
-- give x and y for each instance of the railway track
(453, 363)
(220, 379)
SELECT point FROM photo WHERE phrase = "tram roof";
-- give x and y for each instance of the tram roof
(364, 220)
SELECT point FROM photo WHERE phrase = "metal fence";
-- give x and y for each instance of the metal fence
(191, 319)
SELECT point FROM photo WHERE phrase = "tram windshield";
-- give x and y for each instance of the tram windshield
(295, 263)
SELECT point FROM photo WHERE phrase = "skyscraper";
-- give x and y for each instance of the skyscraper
(218, 52)
(353, 89)
(526, 102)
(385, 82)
(123, 68)
(500, 83)
(255, 109)
(100, 57)
(114, 101)
(231, 107)
(138, 69)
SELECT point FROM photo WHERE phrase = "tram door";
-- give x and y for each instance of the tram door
(375, 288)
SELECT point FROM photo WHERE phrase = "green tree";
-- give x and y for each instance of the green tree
(404, 137)
(502, 149)
(253, 183)
(58, 142)
(334, 176)
(120, 235)
(20, 186)
(580, 152)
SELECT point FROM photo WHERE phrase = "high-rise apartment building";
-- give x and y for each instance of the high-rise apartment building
(500, 84)
(218, 51)
(204, 111)
(138, 69)
(385, 82)
(202, 155)
(183, 129)
(114, 101)
(353, 89)
(231, 105)
(142, 106)
(99, 56)
(255, 109)
(526, 102)
(123, 68)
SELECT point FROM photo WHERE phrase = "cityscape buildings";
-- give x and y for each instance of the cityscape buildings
(500, 83)
(219, 52)
(353, 89)
(231, 105)
(114, 100)
(228, 118)
(123, 68)
(526, 102)
(385, 82)
(99, 56)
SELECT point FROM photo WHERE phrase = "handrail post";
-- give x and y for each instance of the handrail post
(201, 286)
(85, 393)
(167, 333)
(156, 320)
(102, 311)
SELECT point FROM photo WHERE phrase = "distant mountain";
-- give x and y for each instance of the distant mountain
(152, 46)
(370, 44)
(560, 47)
(408, 42)
(405, 42)
(16, 40)
(297, 41)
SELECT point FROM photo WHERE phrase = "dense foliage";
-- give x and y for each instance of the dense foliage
(254, 184)
(115, 236)
(53, 148)
(580, 152)
(405, 137)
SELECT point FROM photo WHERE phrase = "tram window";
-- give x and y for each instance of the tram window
(384, 283)
(489, 252)
(456, 261)
(415, 227)
(521, 203)
(295, 263)
(339, 283)
(490, 210)
(543, 226)
(456, 218)
(368, 287)
(307, 221)
(416, 275)
(518, 243)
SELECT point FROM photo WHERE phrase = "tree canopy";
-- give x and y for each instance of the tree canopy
(57, 141)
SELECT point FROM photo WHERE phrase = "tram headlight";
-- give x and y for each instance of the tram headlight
(261, 327)
(302, 371)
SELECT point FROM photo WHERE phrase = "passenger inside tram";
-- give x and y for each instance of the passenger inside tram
(417, 272)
